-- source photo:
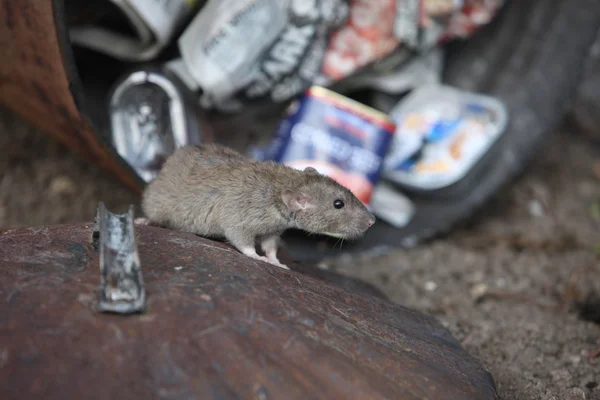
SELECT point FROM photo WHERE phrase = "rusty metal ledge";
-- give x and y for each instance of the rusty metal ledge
(218, 326)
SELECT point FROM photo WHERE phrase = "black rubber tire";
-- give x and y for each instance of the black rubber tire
(531, 57)
(585, 113)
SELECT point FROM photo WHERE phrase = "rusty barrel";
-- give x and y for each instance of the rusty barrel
(39, 81)
(218, 325)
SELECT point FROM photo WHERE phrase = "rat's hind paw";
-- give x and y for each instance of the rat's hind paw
(272, 262)
(251, 252)
(277, 263)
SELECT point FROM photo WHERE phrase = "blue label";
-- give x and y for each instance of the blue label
(318, 130)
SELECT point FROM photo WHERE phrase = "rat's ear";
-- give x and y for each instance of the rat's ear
(295, 201)
(311, 170)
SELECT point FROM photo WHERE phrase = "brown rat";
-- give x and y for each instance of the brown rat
(213, 191)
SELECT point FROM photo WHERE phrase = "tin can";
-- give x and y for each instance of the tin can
(442, 132)
(339, 137)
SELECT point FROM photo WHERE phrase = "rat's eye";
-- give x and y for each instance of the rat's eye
(338, 203)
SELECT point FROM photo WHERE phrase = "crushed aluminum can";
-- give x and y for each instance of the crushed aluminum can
(339, 137)
(154, 24)
(152, 113)
(441, 133)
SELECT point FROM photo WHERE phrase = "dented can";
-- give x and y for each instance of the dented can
(339, 137)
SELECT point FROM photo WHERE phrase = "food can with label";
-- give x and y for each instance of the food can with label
(338, 136)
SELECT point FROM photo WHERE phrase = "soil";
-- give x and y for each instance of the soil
(519, 287)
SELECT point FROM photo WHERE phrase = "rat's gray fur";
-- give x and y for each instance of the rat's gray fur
(213, 191)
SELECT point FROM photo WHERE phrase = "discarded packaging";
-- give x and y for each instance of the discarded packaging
(465, 20)
(368, 35)
(241, 51)
(121, 284)
(390, 32)
(441, 134)
(423, 24)
(152, 113)
(337, 136)
(154, 23)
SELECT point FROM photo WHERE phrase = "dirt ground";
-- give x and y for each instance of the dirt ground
(520, 287)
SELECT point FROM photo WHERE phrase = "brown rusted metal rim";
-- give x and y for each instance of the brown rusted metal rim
(39, 81)
(218, 325)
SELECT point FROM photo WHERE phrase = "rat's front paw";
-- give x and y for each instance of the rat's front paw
(272, 257)
(265, 259)
(277, 263)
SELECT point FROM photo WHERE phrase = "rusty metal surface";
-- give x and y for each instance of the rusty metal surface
(38, 81)
(218, 326)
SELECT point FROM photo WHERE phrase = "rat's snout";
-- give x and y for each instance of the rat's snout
(369, 221)
(372, 220)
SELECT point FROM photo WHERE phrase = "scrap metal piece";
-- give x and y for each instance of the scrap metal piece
(121, 286)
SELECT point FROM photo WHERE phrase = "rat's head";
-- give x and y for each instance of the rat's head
(322, 206)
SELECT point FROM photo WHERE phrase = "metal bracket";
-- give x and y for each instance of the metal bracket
(121, 284)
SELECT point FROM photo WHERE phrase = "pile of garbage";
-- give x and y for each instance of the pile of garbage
(315, 60)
